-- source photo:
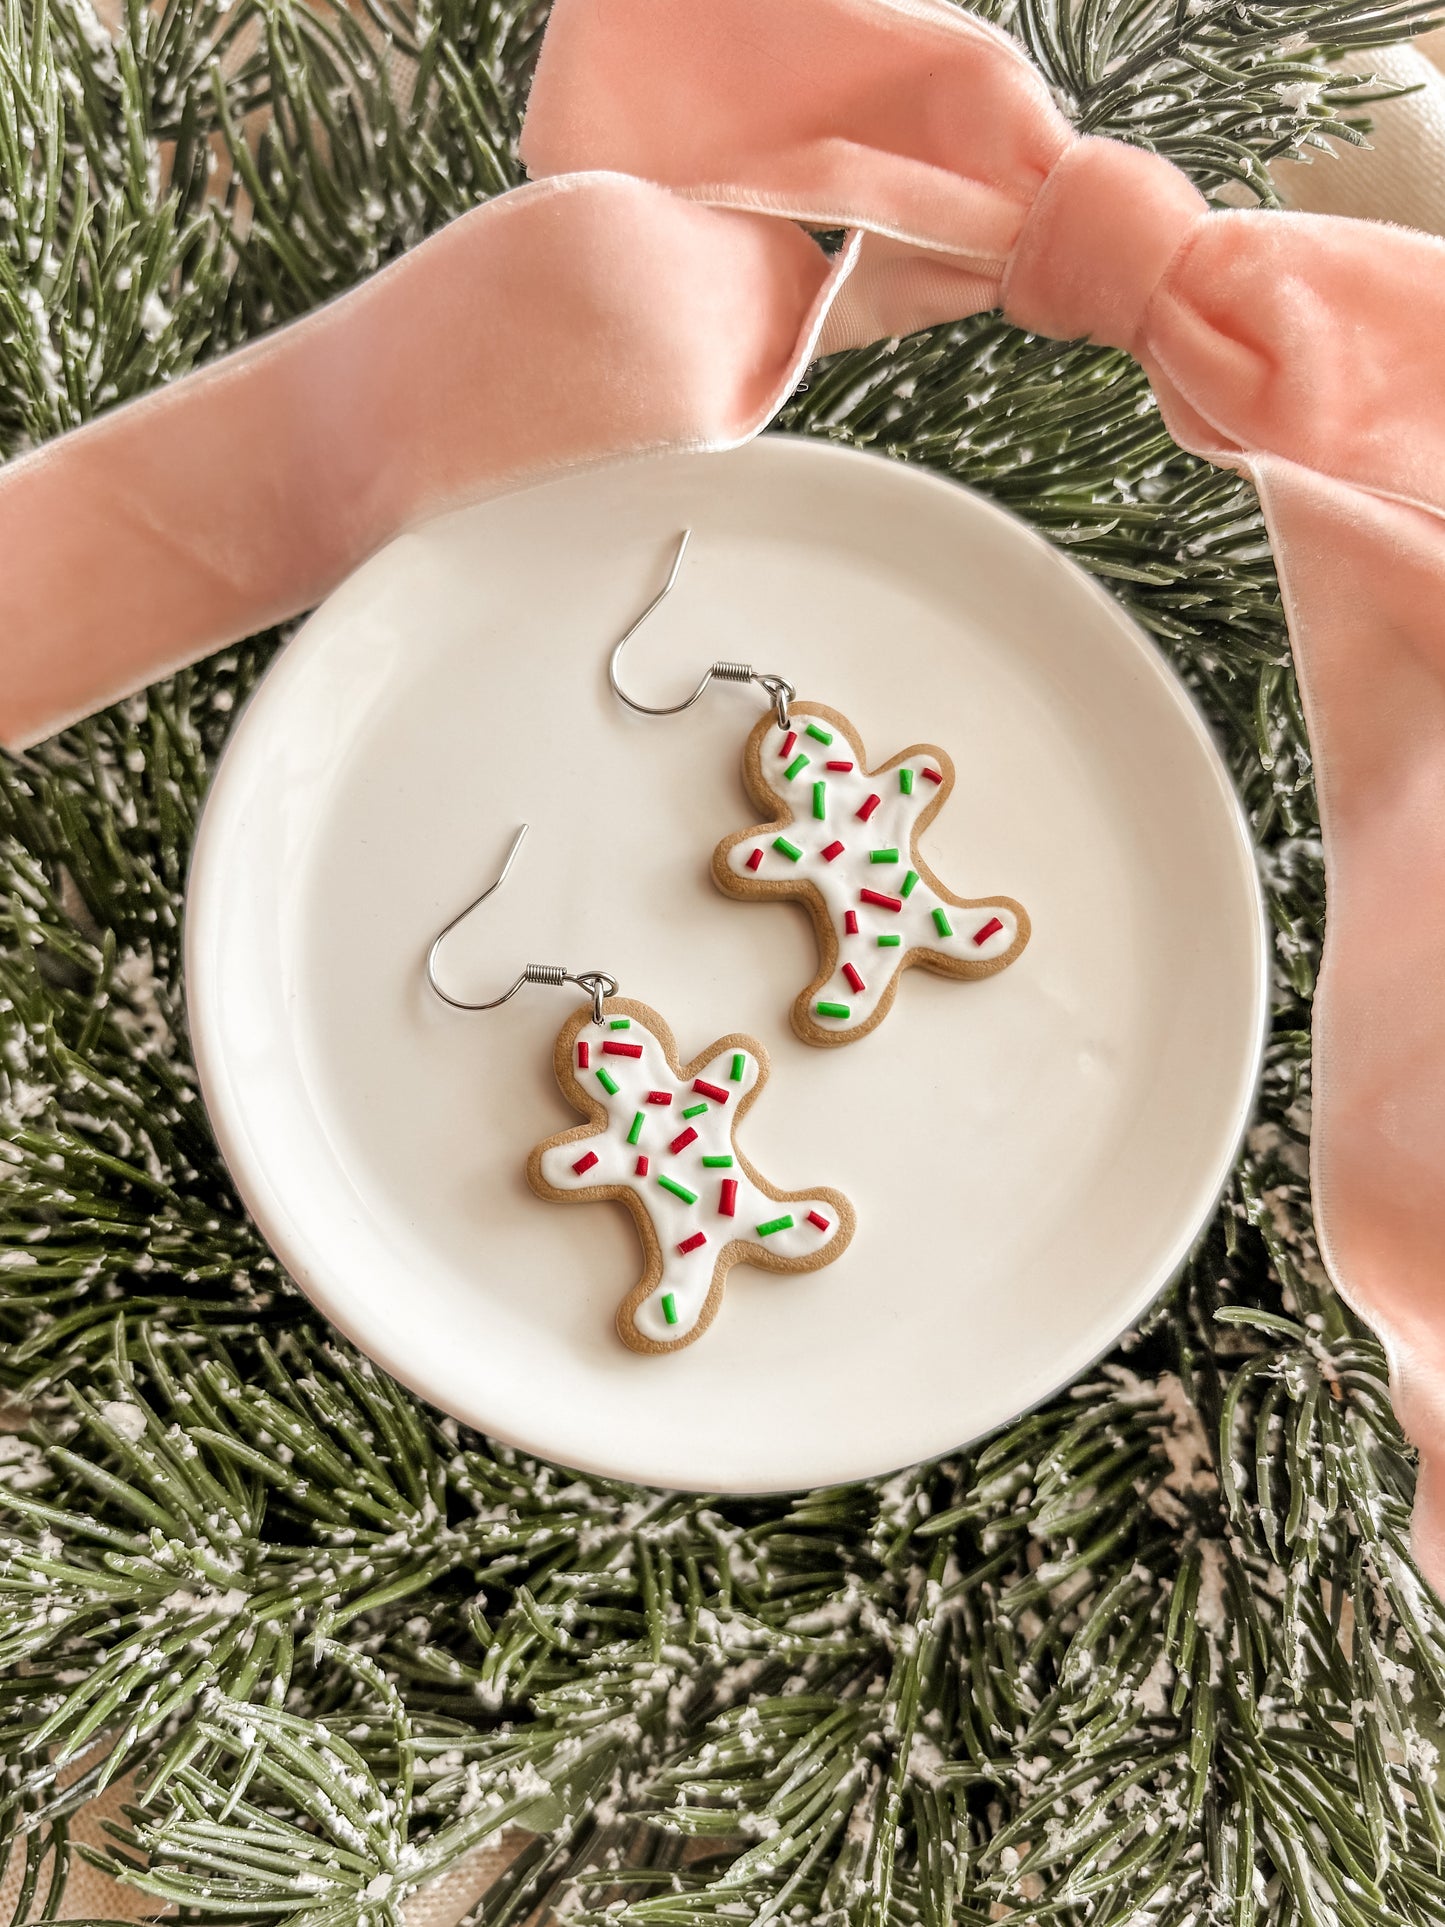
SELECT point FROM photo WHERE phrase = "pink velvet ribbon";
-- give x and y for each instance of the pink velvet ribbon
(653, 289)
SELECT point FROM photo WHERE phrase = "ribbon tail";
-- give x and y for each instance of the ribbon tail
(1363, 576)
(571, 322)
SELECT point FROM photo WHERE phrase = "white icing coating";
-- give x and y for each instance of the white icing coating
(841, 880)
(686, 1276)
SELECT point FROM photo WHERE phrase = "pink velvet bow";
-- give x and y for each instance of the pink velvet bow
(654, 290)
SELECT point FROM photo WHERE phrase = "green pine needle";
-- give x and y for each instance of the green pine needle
(1155, 1655)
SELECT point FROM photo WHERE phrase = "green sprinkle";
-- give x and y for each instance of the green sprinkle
(820, 806)
(774, 1224)
(883, 856)
(906, 888)
(694, 1110)
(607, 1083)
(678, 1190)
(941, 924)
(620, 1023)
(905, 781)
(819, 734)
(669, 1308)
(889, 943)
(636, 1132)
(832, 1010)
(788, 849)
(739, 1065)
(798, 762)
(724, 1163)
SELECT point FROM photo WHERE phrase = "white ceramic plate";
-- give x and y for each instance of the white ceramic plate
(1030, 1156)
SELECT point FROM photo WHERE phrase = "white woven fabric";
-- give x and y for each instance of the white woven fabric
(93, 1895)
(1400, 177)
(90, 1894)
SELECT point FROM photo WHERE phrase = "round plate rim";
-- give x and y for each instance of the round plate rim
(249, 1175)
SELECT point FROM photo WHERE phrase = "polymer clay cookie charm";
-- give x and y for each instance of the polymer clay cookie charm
(661, 1139)
(843, 840)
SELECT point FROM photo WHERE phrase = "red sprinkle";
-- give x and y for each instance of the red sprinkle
(990, 929)
(934, 775)
(837, 766)
(642, 1167)
(585, 1163)
(714, 1091)
(584, 1058)
(833, 850)
(755, 859)
(855, 982)
(692, 1243)
(788, 742)
(866, 808)
(659, 1097)
(727, 1204)
(621, 1050)
(682, 1140)
(850, 922)
(884, 903)
(817, 1218)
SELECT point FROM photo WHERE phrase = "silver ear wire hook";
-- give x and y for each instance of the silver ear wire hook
(597, 983)
(781, 691)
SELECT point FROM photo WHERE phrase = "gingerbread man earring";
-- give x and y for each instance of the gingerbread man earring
(842, 839)
(661, 1139)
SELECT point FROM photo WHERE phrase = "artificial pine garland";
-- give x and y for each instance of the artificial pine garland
(1153, 1655)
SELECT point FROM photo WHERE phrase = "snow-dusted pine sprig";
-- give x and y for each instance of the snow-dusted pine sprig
(1153, 1657)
